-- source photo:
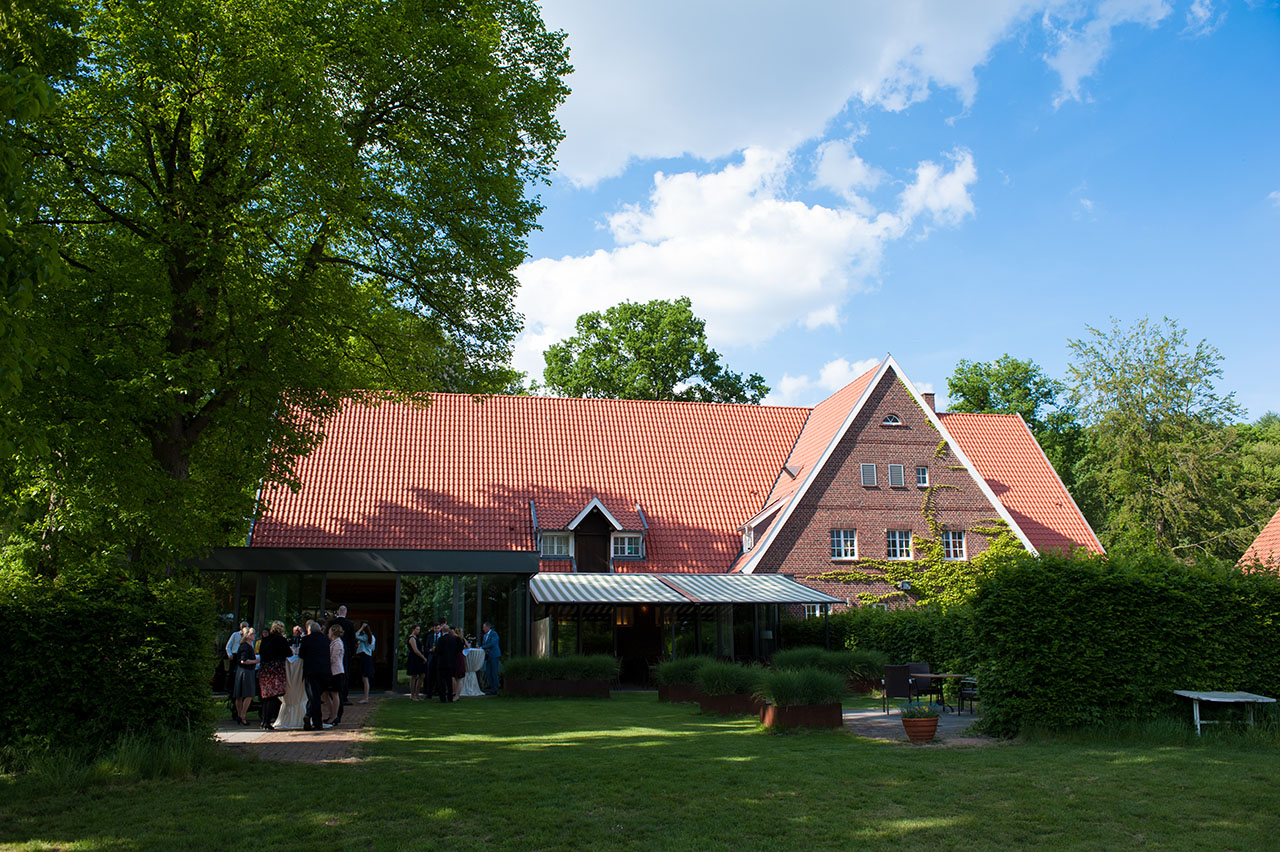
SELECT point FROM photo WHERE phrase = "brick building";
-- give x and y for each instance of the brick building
(619, 499)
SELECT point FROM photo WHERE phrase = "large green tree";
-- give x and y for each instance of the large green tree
(1012, 386)
(650, 350)
(265, 207)
(1163, 459)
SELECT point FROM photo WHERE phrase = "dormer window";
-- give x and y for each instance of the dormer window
(628, 546)
(557, 545)
(891, 420)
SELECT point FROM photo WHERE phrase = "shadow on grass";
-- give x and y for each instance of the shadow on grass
(631, 773)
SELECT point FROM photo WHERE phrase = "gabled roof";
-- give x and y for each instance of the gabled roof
(1008, 457)
(461, 474)
(1266, 547)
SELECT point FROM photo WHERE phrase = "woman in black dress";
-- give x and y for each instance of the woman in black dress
(246, 685)
(417, 663)
(273, 678)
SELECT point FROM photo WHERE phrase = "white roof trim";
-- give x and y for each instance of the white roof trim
(762, 515)
(595, 504)
(932, 416)
(1065, 490)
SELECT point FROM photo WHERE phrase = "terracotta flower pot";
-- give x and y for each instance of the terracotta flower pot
(920, 730)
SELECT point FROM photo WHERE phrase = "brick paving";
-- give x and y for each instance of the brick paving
(335, 745)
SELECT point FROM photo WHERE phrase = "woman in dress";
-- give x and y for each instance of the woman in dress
(273, 677)
(460, 662)
(365, 643)
(337, 675)
(417, 663)
(245, 686)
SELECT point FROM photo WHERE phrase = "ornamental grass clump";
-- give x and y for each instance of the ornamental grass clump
(794, 688)
(729, 679)
(681, 672)
(855, 665)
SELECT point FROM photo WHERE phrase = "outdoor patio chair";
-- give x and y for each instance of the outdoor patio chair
(896, 684)
(924, 686)
(968, 692)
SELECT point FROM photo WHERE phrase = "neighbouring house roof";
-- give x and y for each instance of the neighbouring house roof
(466, 473)
(1008, 457)
(462, 473)
(1266, 547)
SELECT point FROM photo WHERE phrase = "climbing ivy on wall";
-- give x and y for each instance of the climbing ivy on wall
(934, 579)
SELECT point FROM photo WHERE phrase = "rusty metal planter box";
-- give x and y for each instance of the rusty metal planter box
(557, 688)
(802, 716)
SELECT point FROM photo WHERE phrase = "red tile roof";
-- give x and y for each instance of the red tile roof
(1009, 459)
(459, 474)
(1266, 547)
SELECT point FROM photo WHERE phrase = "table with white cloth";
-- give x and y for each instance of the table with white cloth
(475, 661)
(294, 707)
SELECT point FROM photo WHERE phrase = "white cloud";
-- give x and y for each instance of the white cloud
(1203, 19)
(801, 390)
(1274, 197)
(1084, 39)
(841, 170)
(666, 78)
(752, 261)
(924, 387)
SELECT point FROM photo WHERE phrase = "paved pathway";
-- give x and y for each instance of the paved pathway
(335, 745)
(877, 725)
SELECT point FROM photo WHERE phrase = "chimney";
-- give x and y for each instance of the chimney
(928, 400)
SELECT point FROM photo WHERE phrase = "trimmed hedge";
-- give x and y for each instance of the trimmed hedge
(796, 687)
(1068, 642)
(716, 678)
(681, 672)
(944, 639)
(863, 665)
(589, 667)
(88, 662)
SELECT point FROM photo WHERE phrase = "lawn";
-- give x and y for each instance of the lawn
(630, 773)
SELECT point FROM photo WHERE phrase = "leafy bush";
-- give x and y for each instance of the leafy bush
(590, 667)
(945, 639)
(681, 672)
(89, 661)
(795, 687)
(1072, 642)
(851, 665)
(716, 678)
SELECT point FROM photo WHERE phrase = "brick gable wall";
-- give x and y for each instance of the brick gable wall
(837, 499)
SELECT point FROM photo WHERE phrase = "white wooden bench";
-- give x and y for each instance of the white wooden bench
(1246, 698)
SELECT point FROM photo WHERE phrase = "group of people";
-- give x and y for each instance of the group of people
(438, 661)
(328, 661)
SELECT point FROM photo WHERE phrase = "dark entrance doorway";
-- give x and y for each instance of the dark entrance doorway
(371, 599)
(638, 642)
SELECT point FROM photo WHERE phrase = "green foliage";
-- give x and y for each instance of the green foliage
(1160, 468)
(803, 686)
(1067, 642)
(90, 662)
(587, 667)
(265, 208)
(680, 672)
(655, 350)
(717, 678)
(1010, 386)
(864, 665)
(919, 710)
(943, 638)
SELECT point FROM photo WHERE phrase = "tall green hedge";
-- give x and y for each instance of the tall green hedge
(925, 634)
(1066, 642)
(88, 661)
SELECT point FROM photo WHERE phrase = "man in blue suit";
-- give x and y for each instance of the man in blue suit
(492, 654)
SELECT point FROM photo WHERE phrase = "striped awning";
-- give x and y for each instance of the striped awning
(673, 589)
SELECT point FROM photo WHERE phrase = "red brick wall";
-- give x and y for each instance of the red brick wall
(836, 499)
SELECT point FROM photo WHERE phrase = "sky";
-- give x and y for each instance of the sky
(832, 181)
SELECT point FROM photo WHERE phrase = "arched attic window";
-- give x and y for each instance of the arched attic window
(891, 420)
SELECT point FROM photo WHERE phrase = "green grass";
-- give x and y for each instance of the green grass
(630, 773)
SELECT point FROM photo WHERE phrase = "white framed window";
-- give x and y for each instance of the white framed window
(922, 477)
(868, 475)
(844, 544)
(897, 476)
(812, 610)
(748, 539)
(953, 544)
(628, 545)
(897, 544)
(891, 420)
(557, 544)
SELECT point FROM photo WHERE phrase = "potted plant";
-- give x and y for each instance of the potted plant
(560, 677)
(729, 689)
(678, 679)
(805, 698)
(920, 721)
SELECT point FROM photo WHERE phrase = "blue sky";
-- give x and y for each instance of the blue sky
(936, 180)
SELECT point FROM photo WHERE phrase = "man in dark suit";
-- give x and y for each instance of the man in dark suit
(492, 656)
(348, 647)
(314, 652)
(432, 659)
(448, 647)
